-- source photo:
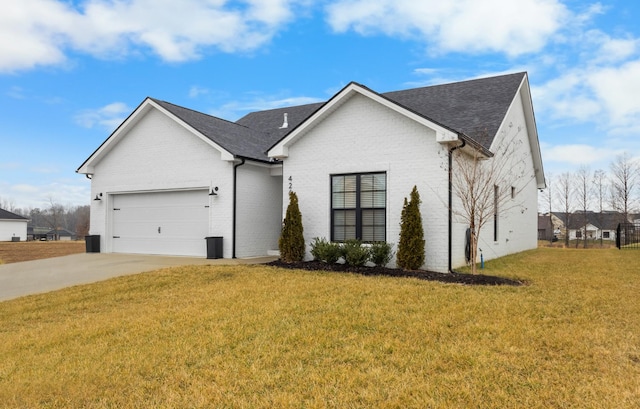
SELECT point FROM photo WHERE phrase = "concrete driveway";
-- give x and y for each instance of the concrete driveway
(40, 276)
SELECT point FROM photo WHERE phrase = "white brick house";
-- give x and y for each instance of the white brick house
(360, 144)
(13, 227)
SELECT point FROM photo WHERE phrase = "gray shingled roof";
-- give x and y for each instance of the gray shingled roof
(7, 215)
(607, 220)
(271, 120)
(236, 139)
(475, 108)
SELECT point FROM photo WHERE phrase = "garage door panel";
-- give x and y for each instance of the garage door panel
(172, 223)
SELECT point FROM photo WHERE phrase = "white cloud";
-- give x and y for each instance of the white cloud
(604, 95)
(577, 154)
(74, 192)
(504, 26)
(109, 116)
(195, 91)
(43, 32)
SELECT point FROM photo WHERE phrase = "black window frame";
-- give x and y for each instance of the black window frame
(358, 207)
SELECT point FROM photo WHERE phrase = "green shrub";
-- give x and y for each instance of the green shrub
(411, 245)
(291, 243)
(354, 253)
(380, 253)
(326, 251)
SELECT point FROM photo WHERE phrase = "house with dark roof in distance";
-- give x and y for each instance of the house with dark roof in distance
(169, 176)
(595, 225)
(13, 227)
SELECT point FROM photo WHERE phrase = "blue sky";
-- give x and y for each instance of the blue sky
(71, 71)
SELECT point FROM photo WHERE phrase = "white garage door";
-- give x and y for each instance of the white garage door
(171, 223)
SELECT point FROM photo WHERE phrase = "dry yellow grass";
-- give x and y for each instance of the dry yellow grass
(13, 252)
(263, 337)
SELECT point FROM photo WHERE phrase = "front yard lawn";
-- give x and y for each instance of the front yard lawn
(265, 337)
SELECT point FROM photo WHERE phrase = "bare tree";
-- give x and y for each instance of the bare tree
(583, 193)
(625, 173)
(54, 216)
(599, 180)
(486, 185)
(7, 204)
(565, 198)
(82, 220)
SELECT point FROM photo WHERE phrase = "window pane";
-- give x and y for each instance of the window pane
(379, 199)
(344, 192)
(337, 183)
(373, 225)
(344, 225)
(373, 190)
(366, 182)
(380, 181)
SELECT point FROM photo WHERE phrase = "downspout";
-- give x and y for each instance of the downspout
(451, 199)
(235, 205)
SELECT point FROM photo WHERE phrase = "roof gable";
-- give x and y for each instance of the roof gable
(211, 130)
(280, 149)
(475, 108)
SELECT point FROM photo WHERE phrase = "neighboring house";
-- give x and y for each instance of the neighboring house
(594, 225)
(60, 235)
(13, 227)
(545, 228)
(168, 176)
(37, 233)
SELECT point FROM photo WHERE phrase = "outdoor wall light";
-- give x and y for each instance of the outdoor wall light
(98, 196)
(213, 191)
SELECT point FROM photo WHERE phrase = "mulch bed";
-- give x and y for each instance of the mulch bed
(457, 278)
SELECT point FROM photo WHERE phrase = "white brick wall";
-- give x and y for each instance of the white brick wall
(364, 136)
(259, 208)
(517, 221)
(13, 228)
(158, 154)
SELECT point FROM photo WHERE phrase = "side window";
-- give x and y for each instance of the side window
(358, 207)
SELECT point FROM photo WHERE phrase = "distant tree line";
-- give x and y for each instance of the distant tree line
(584, 190)
(53, 216)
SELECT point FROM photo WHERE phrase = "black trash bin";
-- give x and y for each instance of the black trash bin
(214, 247)
(92, 243)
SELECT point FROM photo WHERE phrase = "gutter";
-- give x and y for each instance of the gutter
(235, 205)
(451, 199)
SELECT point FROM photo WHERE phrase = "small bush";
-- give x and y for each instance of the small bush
(354, 253)
(380, 253)
(325, 251)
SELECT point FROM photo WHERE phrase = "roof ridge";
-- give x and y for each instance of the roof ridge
(459, 82)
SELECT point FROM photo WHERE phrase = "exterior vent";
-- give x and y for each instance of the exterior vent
(285, 124)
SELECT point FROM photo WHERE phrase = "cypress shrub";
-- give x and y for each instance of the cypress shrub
(291, 242)
(411, 245)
